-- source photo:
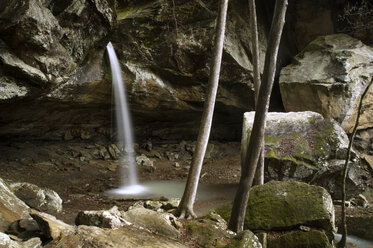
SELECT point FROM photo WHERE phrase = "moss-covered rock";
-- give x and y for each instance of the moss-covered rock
(300, 239)
(209, 230)
(303, 146)
(285, 206)
(245, 239)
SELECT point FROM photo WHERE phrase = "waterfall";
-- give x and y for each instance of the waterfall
(124, 126)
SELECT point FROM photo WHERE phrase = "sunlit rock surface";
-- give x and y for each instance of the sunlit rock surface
(328, 77)
(11, 208)
(41, 199)
(303, 146)
(116, 238)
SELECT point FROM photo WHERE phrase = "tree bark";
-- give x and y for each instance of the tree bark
(342, 243)
(259, 174)
(257, 134)
(185, 209)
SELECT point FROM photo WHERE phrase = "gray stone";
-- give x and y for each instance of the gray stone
(162, 223)
(51, 227)
(303, 146)
(124, 237)
(11, 207)
(111, 218)
(41, 199)
(328, 77)
(143, 160)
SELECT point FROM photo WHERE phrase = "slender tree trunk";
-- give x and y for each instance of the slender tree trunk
(342, 243)
(259, 176)
(185, 209)
(257, 134)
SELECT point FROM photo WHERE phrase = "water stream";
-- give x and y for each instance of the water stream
(129, 185)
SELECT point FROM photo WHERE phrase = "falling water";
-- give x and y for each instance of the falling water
(130, 184)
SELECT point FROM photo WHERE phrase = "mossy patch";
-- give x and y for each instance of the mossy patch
(300, 239)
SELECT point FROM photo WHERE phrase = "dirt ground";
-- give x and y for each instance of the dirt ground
(81, 171)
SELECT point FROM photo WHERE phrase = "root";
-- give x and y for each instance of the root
(185, 213)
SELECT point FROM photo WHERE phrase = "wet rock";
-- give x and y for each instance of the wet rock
(162, 223)
(116, 238)
(287, 205)
(360, 224)
(296, 239)
(51, 227)
(42, 199)
(111, 218)
(11, 207)
(245, 239)
(209, 230)
(328, 77)
(303, 146)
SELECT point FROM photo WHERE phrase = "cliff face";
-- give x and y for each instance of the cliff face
(55, 80)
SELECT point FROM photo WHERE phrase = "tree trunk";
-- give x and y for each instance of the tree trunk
(185, 209)
(259, 174)
(257, 134)
(342, 243)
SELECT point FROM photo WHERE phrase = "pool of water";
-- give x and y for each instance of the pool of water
(172, 189)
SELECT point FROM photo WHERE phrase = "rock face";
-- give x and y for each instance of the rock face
(45, 46)
(303, 146)
(11, 208)
(45, 200)
(328, 77)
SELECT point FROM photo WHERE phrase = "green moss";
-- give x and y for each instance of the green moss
(225, 211)
(300, 239)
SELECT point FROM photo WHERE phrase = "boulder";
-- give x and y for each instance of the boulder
(116, 238)
(245, 239)
(328, 77)
(50, 226)
(279, 206)
(209, 230)
(42, 199)
(11, 207)
(360, 224)
(300, 239)
(111, 218)
(303, 146)
(162, 223)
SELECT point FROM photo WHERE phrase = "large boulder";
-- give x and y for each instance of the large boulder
(42, 199)
(300, 239)
(162, 223)
(328, 77)
(303, 146)
(210, 230)
(116, 238)
(11, 207)
(285, 206)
